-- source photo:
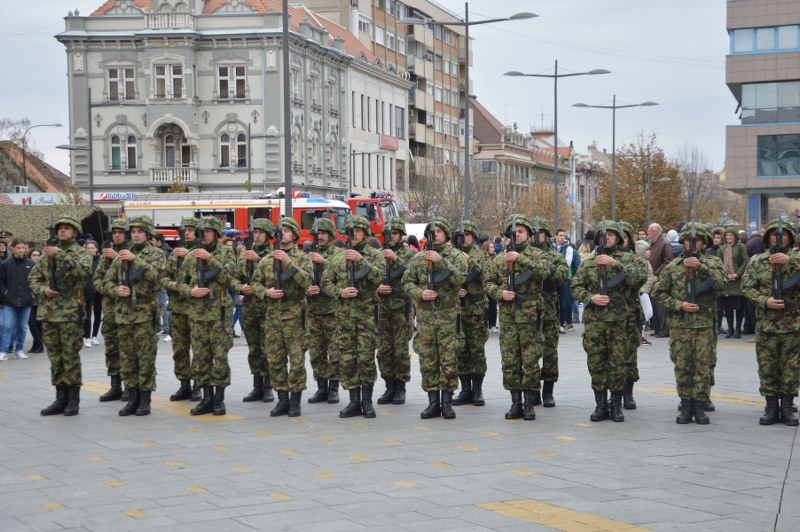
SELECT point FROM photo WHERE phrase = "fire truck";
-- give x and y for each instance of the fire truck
(376, 208)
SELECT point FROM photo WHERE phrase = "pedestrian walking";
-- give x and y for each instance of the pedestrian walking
(94, 300)
(16, 297)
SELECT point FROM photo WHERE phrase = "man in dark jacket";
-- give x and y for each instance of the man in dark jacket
(660, 255)
(16, 296)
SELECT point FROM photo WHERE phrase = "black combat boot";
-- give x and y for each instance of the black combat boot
(627, 396)
(58, 406)
(354, 407)
(206, 405)
(700, 416)
(333, 392)
(601, 412)
(447, 405)
(184, 392)
(143, 409)
(268, 395)
(294, 403)
(515, 412)
(616, 407)
(729, 334)
(282, 408)
(547, 394)
(74, 401)
(477, 391)
(196, 393)
(738, 332)
(537, 398)
(115, 392)
(133, 403)
(527, 408)
(434, 407)
(708, 406)
(465, 395)
(257, 394)
(366, 401)
(787, 417)
(219, 401)
(399, 392)
(321, 395)
(388, 395)
(771, 414)
(687, 411)
(126, 395)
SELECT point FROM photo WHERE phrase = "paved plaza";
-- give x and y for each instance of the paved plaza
(247, 471)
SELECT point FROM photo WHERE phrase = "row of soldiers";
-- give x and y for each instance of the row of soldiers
(345, 306)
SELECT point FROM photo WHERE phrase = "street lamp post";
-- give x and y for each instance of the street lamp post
(554, 76)
(614, 108)
(466, 23)
(25, 149)
(649, 181)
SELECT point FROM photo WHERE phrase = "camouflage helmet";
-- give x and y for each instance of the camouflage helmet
(265, 225)
(611, 226)
(142, 222)
(628, 229)
(442, 224)
(469, 226)
(70, 220)
(397, 224)
(119, 223)
(190, 221)
(520, 220)
(543, 226)
(212, 222)
(325, 224)
(359, 222)
(702, 232)
(772, 227)
(292, 225)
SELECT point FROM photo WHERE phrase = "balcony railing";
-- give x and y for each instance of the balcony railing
(169, 175)
(170, 21)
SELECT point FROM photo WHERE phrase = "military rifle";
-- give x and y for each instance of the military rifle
(601, 250)
(778, 284)
(512, 244)
(51, 261)
(277, 266)
(350, 267)
(387, 237)
(126, 266)
(430, 273)
(691, 278)
(109, 241)
(316, 277)
(249, 266)
(202, 265)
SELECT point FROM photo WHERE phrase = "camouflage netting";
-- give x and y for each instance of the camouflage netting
(31, 222)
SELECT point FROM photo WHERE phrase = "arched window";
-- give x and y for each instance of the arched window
(169, 151)
(116, 161)
(225, 150)
(131, 152)
(241, 150)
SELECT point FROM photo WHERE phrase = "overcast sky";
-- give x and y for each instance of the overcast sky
(671, 52)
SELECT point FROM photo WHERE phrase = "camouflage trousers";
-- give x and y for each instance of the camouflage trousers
(63, 341)
(550, 355)
(285, 349)
(778, 356)
(211, 341)
(691, 350)
(180, 332)
(437, 343)
(109, 331)
(253, 326)
(394, 333)
(521, 350)
(633, 333)
(714, 354)
(138, 345)
(606, 347)
(472, 358)
(355, 346)
(321, 332)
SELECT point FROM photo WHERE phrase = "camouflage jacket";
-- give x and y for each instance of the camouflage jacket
(757, 287)
(586, 283)
(415, 281)
(671, 291)
(97, 280)
(145, 269)
(528, 310)
(217, 303)
(68, 306)
(295, 278)
(323, 304)
(251, 304)
(373, 268)
(177, 303)
(553, 284)
(397, 299)
(475, 300)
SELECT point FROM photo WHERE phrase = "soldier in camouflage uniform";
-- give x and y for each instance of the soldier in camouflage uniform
(284, 341)
(61, 312)
(472, 358)
(394, 315)
(109, 326)
(778, 322)
(321, 321)
(180, 326)
(209, 312)
(521, 310)
(133, 279)
(356, 335)
(550, 320)
(692, 336)
(438, 340)
(254, 310)
(633, 324)
(604, 337)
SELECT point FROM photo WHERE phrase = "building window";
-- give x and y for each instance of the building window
(393, 7)
(131, 150)
(787, 37)
(437, 124)
(333, 100)
(486, 167)
(437, 94)
(765, 39)
(446, 67)
(169, 81)
(390, 42)
(116, 153)
(399, 122)
(241, 150)
(297, 90)
(233, 144)
(232, 81)
(120, 146)
(380, 36)
(778, 156)
(401, 45)
(121, 85)
(437, 63)
(777, 102)
(365, 25)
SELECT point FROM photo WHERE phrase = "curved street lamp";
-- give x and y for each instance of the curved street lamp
(24, 150)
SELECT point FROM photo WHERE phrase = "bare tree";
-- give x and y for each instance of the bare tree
(700, 186)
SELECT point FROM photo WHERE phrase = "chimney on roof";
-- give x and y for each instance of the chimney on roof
(338, 43)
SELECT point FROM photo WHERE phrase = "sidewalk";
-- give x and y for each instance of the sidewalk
(247, 471)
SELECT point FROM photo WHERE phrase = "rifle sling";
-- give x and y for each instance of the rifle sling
(616, 280)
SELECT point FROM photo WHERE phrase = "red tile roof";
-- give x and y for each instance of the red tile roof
(147, 5)
(45, 177)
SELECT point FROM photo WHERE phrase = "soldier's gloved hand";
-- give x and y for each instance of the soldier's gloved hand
(199, 292)
(200, 253)
(251, 255)
(775, 304)
(384, 289)
(600, 301)
(109, 253)
(313, 290)
(247, 290)
(126, 255)
(689, 307)
(388, 254)
(272, 293)
(51, 293)
(462, 293)
(432, 256)
(352, 255)
(123, 291)
(509, 295)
